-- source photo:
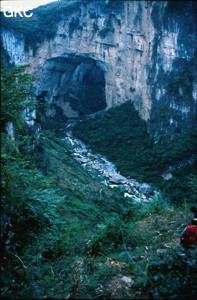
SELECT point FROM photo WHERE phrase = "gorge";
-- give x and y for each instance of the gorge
(98, 150)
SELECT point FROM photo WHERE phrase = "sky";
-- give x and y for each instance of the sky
(24, 4)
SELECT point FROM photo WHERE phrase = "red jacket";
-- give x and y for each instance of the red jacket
(189, 237)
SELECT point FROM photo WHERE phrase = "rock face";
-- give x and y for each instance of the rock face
(14, 44)
(107, 52)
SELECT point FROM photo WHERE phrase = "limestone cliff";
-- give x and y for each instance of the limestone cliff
(104, 53)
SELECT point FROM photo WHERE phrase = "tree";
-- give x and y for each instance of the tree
(16, 93)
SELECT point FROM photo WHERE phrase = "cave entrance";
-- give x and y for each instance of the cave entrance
(87, 89)
(71, 87)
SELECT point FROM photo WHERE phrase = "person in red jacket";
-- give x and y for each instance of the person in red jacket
(189, 235)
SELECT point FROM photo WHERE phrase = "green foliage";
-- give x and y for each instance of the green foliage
(117, 137)
(64, 233)
(16, 93)
(27, 206)
(173, 277)
(108, 240)
(182, 77)
(121, 135)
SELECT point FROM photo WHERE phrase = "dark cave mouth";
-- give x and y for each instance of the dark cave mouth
(72, 87)
(86, 91)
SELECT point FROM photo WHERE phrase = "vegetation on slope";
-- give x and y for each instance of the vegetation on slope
(67, 235)
(121, 135)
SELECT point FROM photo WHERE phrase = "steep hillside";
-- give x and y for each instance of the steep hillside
(66, 234)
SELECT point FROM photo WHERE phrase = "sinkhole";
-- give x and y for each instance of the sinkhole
(71, 87)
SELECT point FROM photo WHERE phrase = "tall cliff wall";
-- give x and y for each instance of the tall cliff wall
(107, 52)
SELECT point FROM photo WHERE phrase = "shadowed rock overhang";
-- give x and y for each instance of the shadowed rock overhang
(72, 86)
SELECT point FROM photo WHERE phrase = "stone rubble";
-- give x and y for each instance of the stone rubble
(92, 161)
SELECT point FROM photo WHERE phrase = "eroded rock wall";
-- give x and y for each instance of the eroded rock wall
(145, 50)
